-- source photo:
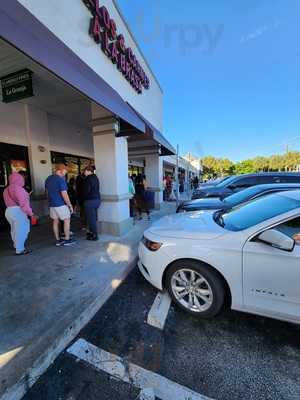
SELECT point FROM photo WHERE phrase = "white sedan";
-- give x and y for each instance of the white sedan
(247, 258)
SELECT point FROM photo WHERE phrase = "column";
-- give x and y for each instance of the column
(154, 176)
(36, 124)
(111, 161)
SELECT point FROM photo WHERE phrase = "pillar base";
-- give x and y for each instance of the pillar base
(116, 228)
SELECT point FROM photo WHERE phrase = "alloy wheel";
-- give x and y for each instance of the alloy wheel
(191, 290)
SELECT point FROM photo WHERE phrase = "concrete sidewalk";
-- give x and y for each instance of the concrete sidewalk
(48, 296)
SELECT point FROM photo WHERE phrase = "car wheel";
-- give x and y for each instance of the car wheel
(196, 288)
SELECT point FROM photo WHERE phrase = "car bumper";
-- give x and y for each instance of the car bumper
(152, 265)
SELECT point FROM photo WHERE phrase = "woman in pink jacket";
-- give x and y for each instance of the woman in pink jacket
(18, 211)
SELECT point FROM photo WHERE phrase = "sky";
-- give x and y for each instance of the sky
(229, 69)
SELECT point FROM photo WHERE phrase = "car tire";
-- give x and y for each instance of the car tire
(208, 285)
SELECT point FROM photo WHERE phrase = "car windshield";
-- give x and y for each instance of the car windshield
(243, 195)
(255, 212)
(226, 181)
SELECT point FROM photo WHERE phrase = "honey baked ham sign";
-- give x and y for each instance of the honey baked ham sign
(103, 30)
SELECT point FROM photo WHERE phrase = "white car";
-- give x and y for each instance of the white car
(246, 258)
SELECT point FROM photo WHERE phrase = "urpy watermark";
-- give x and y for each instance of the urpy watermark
(182, 37)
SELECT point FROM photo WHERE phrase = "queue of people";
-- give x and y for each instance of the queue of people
(169, 184)
(63, 199)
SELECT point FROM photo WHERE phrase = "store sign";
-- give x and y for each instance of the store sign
(16, 86)
(103, 30)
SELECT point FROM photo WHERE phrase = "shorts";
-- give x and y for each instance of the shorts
(61, 213)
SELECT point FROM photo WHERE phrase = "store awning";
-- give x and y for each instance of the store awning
(151, 134)
(21, 29)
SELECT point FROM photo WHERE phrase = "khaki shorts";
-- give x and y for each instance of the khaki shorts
(61, 213)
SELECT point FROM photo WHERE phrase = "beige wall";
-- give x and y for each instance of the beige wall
(69, 21)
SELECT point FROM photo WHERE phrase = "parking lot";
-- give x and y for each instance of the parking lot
(234, 356)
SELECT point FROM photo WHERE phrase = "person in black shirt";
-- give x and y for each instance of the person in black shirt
(91, 201)
(79, 188)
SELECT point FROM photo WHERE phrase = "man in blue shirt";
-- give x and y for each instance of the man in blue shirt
(59, 204)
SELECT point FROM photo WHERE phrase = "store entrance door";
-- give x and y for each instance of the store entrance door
(12, 158)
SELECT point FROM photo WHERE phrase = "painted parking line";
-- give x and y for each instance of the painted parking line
(120, 368)
(147, 394)
(159, 311)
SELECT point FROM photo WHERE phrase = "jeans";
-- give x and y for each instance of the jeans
(91, 212)
(19, 227)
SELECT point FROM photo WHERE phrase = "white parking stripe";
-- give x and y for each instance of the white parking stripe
(131, 373)
(159, 311)
(147, 394)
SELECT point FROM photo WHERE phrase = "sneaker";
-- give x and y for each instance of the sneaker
(59, 242)
(69, 242)
(93, 237)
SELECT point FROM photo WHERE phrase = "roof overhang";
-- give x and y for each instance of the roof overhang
(22, 30)
(151, 134)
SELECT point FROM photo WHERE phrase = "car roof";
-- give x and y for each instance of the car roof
(292, 194)
(267, 186)
(269, 174)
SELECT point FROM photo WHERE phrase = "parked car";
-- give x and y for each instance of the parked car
(214, 182)
(234, 184)
(247, 258)
(235, 199)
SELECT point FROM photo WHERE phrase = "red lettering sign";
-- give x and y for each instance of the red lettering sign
(103, 29)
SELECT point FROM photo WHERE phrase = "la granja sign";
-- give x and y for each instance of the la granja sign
(103, 30)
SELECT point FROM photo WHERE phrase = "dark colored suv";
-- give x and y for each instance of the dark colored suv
(236, 183)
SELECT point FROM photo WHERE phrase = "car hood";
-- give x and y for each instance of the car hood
(194, 225)
(204, 204)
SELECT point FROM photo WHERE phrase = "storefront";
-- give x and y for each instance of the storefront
(76, 164)
(77, 88)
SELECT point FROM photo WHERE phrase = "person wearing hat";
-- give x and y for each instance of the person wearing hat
(59, 204)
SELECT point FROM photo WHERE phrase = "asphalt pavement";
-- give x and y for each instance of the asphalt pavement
(234, 356)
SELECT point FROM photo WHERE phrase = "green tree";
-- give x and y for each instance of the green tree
(244, 167)
(261, 164)
(209, 164)
(276, 163)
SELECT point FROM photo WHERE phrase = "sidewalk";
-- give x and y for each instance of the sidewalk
(48, 296)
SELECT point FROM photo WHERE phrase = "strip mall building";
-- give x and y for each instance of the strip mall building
(76, 88)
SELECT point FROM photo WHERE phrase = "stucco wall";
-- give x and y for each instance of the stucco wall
(69, 21)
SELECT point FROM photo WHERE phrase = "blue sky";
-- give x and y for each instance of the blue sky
(230, 71)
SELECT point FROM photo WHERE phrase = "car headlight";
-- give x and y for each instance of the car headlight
(152, 246)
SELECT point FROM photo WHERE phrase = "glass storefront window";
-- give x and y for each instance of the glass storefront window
(133, 170)
(76, 164)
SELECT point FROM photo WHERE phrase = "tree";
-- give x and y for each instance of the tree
(244, 167)
(276, 163)
(261, 164)
(224, 166)
(291, 160)
(209, 165)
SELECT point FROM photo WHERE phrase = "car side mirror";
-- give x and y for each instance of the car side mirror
(277, 239)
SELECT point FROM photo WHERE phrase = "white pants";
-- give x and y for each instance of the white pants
(19, 227)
